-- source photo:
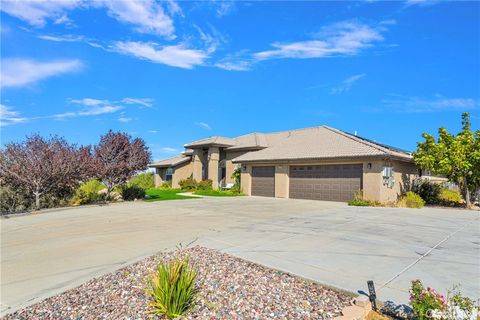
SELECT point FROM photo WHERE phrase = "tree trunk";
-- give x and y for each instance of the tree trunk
(37, 200)
(466, 192)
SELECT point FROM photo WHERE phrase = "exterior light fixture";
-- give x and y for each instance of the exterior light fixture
(369, 165)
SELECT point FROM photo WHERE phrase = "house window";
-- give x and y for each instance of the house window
(388, 177)
(168, 174)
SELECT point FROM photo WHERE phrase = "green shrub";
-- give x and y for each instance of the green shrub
(14, 199)
(188, 184)
(425, 300)
(450, 198)
(236, 189)
(89, 192)
(428, 191)
(130, 193)
(410, 200)
(236, 176)
(360, 201)
(143, 180)
(166, 185)
(205, 185)
(172, 289)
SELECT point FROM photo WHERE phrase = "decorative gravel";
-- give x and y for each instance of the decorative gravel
(231, 288)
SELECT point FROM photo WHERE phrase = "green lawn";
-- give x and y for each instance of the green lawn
(217, 193)
(165, 194)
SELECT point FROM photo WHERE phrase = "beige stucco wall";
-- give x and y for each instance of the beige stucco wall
(246, 179)
(372, 182)
(181, 172)
(282, 180)
(230, 166)
(213, 159)
(404, 174)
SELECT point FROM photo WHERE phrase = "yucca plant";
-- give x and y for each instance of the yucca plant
(172, 289)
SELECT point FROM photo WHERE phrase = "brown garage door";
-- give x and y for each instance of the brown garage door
(326, 182)
(263, 181)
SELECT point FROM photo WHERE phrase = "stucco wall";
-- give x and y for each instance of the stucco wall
(282, 180)
(404, 174)
(159, 176)
(246, 179)
(229, 165)
(182, 171)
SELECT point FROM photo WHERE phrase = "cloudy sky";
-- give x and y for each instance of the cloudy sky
(174, 72)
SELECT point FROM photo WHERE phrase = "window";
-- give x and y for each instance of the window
(388, 177)
(168, 174)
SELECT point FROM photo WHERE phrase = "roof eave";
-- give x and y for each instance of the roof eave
(344, 158)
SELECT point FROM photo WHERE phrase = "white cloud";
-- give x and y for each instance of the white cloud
(153, 131)
(400, 103)
(21, 72)
(224, 8)
(204, 125)
(347, 84)
(62, 38)
(9, 117)
(148, 16)
(123, 118)
(90, 107)
(341, 39)
(36, 13)
(175, 55)
(420, 2)
(146, 102)
(169, 150)
(89, 102)
(234, 65)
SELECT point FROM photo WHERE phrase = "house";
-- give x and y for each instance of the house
(320, 163)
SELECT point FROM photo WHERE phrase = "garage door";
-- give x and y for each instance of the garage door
(263, 181)
(326, 182)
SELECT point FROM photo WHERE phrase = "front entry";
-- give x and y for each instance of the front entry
(263, 181)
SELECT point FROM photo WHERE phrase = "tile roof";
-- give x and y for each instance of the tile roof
(171, 162)
(319, 143)
(217, 141)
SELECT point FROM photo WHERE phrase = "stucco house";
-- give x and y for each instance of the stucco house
(320, 163)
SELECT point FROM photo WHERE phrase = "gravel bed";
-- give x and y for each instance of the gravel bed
(231, 288)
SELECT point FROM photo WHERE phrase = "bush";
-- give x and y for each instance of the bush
(172, 289)
(166, 185)
(205, 185)
(236, 189)
(425, 301)
(143, 180)
(89, 192)
(130, 193)
(450, 198)
(428, 191)
(14, 199)
(360, 201)
(410, 200)
(188, 184)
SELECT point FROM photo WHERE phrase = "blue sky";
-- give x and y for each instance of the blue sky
(174, 72)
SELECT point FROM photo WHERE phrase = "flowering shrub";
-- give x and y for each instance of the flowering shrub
(426, 302)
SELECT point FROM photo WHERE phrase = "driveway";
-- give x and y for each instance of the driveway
(47, 253)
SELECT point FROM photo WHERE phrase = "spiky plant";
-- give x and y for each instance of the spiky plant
(172, 289)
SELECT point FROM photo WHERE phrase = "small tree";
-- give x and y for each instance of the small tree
(42, 166)
(118, 157)
(455, 156)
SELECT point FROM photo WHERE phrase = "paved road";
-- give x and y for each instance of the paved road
(329, 242)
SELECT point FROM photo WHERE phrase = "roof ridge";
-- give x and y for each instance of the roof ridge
(357, 139)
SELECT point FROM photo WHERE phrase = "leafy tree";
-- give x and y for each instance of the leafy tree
(42, 166)
(455, 156)
(143, 180)
(118, 157)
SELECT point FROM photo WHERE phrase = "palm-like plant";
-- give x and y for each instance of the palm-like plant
(172, 289)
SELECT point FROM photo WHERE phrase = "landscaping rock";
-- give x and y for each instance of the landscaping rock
(400, 311)
(231, 288)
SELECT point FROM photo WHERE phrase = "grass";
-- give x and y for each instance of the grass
(217, 193)
(165, 194)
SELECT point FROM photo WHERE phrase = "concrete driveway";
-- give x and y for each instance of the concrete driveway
(47, 253)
